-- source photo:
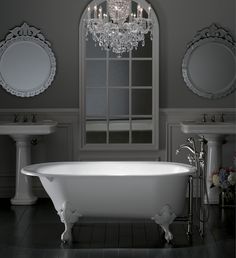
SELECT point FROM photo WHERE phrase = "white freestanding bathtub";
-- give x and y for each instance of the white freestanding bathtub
(154, 190)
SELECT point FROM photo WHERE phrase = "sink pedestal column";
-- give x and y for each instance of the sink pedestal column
(23, 190)
(214, 162)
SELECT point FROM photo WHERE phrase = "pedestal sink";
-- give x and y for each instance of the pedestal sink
(214, 133)
(22, 134)
(206, 128)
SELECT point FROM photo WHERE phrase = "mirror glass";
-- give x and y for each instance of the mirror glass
(27, 64)
(209, 65)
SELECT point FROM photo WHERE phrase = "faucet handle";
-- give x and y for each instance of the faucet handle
(34, 118)
(202, 140)
(190, 139)
(213, 118)
(25, 118)
(16, 118)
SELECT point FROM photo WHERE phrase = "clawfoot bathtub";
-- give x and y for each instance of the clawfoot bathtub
(154, 190)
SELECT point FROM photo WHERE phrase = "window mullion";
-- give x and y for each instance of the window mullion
(107, 97)
(130, 97)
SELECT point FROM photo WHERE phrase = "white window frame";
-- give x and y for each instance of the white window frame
(155, 88)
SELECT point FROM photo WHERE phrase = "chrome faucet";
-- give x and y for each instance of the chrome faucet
(187, 146)
(192, 149)
(198, 156)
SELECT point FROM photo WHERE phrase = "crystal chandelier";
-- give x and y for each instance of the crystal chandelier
(118, 29)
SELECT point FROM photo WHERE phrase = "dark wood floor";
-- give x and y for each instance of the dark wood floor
(34, 231)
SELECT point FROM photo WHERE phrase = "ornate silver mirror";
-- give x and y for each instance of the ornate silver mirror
(209, 64)
(27, 63)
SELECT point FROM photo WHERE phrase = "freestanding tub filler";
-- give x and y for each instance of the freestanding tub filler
(154, 190)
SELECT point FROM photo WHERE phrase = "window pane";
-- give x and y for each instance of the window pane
(118, 101)
(142, 73)
(95, 137)
(119, 73)
(119, 137)
(92, 49)
(95, 73)
(96, 102)
(142, 102)
(144, 51)
(142, 137)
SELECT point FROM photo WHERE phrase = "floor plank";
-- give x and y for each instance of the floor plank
(112, 235)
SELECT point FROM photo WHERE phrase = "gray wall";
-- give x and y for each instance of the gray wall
(59, 19)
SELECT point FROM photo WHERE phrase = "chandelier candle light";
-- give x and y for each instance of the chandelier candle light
(118, 30)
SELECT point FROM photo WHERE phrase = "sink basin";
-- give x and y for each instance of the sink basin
(28, 128)
(208, 127)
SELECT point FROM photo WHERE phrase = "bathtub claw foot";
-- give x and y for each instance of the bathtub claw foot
(66, 236)
(68, 216)
(164, 218)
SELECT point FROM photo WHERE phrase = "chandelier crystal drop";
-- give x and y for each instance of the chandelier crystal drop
(118, 29)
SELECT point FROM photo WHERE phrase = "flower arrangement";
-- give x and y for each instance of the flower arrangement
(224, 178)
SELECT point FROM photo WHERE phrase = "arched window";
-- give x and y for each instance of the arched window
(119, 96)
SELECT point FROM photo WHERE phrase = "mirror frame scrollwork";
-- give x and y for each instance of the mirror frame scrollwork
(22, 35)
(211, 34)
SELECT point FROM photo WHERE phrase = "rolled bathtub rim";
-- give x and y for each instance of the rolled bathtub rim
(40, 169)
